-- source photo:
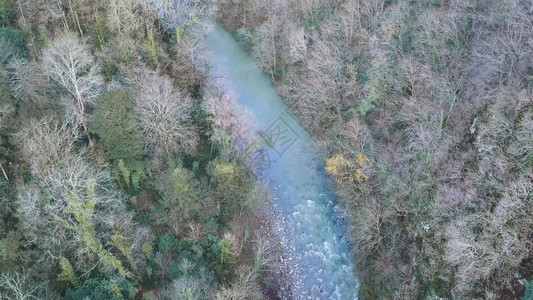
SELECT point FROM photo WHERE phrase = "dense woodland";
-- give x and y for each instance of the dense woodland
(424, 110)
(121, 178)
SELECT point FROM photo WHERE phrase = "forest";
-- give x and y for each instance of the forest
(122, 175)
(424, 113)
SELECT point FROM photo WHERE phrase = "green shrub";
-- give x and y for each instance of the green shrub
(148, 250)
(7, 114)
(386, 83)
(198, 250)
(313, 20)
(226, 252)
(233, 183)
(181, 194)
(67, 271)
(130, 175)
(246, 38)
(196, 167)
(4, 187)
(11, 44)
(165, 243)
(125, 172)
(99, 288)
(114, 126)
(182, 246)
(152, 47)
(38, 37)
(6, 12)
(10, 251)
(426, 4)
(528, 295)
(212, 225)
(173, 270)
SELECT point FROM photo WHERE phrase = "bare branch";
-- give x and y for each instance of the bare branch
(70, 63)
(163, 113)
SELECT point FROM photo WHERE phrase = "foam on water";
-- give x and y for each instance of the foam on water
(313, 230)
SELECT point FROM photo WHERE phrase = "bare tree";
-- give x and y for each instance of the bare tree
(266, 52)
(6, 110)
(28, 81)
(245, 287)
(72, 175)
(44, 143)
(128, 16)
(70, 63)
(182, 17)
(163, 113)
(121, 12)
(72, 212)
(67, 188)
(296, 44)
(190, 288)
(20, 287)
(8, 51)
(232, 123)
(44, 210)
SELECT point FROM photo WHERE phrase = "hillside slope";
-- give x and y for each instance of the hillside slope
(424, 110)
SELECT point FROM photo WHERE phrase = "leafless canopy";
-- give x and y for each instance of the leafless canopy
(70, 63)
(44, 143)
(232, 123)
(163, 113)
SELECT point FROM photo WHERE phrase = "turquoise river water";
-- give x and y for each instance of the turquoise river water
(311, 226)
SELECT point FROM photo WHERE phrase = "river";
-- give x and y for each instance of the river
(311, 226)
